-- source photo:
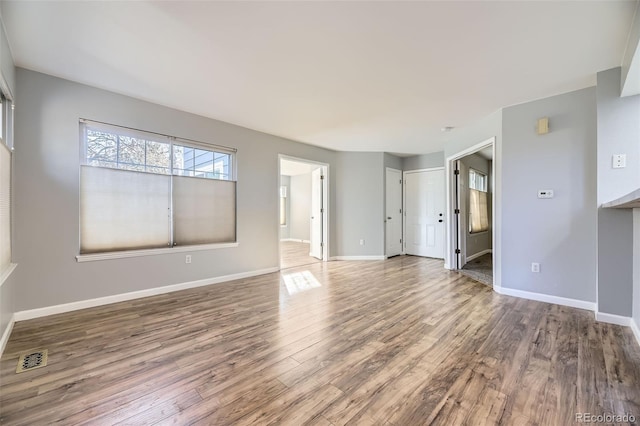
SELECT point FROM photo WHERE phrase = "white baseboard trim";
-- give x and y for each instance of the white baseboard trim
(613, 319)
(358, 258)
(574, 303)
(480, 253)
(6, 334)
(296, 240)
(636, 330)
(90, 303)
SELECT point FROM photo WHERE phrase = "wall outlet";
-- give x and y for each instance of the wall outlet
(545, 193)
(361, 242)
(619, 161)
(535, 267)
(187, 259)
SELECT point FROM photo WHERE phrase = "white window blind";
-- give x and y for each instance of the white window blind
(123, 210)
(478, 215)
(204, 211)
(141, 190)
(5, 207)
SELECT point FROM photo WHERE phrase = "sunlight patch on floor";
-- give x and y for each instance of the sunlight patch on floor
(298, 282)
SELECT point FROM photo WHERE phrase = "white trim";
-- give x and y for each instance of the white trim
(636, 330)
(613, 319)
(7, 272)
(295, 240)
(430, 169)
(7, 333)
(90, 303)
(150, 252)
(574, 303)
(480, 253)
(358, 257)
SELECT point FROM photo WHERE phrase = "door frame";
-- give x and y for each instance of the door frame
(404, 205)
(325, 204)
(450, 232)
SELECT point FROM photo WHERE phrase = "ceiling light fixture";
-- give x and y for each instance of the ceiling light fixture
(447, 128)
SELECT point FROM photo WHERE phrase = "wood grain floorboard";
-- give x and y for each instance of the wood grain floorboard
(395, 342)
(293, 253)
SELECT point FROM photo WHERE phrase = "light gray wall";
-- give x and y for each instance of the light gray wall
(618, 133)
(360, 203)
(425, 161)
(47, 195)
(479, 131)
(559, 233)
(490, 206)
(393, 161)
(300, 200)
(475, 243)
(636, 269)
(285, 230)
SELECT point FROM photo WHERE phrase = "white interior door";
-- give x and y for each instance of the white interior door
(393, 219)
(317, 211)
(424, 213)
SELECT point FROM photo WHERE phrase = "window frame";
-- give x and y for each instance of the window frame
(485, 180)
(161, 138)
(485, 189)
(7, 111)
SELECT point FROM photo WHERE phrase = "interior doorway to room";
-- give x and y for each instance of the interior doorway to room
(424, 212)
(472, 208)
(303, 200)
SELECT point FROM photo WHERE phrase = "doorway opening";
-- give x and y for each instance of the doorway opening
(302, 212)
(471, 207)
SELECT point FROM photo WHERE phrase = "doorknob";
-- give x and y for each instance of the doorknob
(389, 218)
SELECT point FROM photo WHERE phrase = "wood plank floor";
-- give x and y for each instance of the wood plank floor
(396, 342)
(293, 253)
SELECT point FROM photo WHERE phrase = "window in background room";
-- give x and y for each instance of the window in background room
(141, 190)
(478, 210)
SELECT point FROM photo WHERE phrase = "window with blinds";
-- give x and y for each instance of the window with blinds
(141, 190)
(478, 208)
(6, 138)
(5, 207)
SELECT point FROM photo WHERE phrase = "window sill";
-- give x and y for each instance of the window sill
(150, 252)
(7, 272)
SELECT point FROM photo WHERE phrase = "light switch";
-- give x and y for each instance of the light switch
(619, 161)
(545, 193)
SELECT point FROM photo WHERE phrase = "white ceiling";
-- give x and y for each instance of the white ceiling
(294, 168)
(361, 76)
